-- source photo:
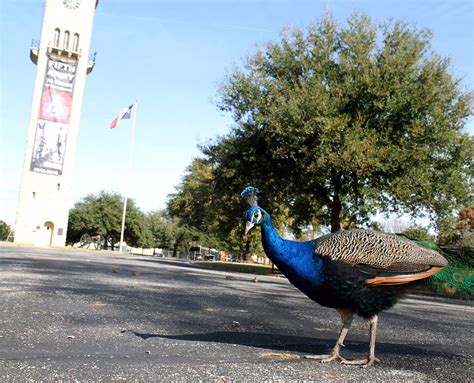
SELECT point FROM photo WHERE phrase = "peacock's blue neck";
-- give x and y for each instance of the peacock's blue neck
(295, 260)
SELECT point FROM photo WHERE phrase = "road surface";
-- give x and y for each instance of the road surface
(86, 316)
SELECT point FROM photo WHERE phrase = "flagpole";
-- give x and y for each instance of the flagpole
(130, 155)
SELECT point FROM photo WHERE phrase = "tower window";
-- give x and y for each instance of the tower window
(66, 40)
(75, 42)
(56, 37)
(58, 186)
(34, 195)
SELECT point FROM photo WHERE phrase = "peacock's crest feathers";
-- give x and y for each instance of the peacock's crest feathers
(250, 194)
(378, 250)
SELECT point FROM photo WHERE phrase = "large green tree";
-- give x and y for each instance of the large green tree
(457, 230)
(192, 202)
(338, 121)
(5, 230)
(162, 230)
(210, 204)
(101, 214)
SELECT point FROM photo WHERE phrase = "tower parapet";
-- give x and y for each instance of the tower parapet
(34, 51)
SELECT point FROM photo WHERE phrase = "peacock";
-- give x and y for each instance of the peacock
(359, 272)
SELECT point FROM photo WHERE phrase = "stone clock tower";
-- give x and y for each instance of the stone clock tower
(63, 62)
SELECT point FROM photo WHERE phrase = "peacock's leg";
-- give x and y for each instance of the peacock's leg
(346, 317)
(371, 357)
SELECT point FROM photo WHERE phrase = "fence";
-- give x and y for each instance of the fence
(184, 255)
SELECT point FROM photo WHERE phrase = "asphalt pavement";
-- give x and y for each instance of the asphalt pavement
(89, 316)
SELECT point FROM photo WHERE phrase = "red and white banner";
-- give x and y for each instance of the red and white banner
(53, 120)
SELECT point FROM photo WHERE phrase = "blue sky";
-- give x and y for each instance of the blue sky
(171, 56)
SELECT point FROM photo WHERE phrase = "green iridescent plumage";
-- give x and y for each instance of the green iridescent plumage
(457, 279)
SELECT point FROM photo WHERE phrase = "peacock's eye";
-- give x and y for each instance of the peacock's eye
(256, 216)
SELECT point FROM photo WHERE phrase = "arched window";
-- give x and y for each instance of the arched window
(75, 43)
(66, 40)
(56, 37)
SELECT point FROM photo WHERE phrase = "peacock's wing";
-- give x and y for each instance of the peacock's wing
(384, 259)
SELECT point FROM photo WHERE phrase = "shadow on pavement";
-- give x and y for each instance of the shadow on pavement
(298, 344)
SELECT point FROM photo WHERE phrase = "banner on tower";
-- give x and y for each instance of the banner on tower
(53, 119)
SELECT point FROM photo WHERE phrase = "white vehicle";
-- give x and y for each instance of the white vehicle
(200, 253)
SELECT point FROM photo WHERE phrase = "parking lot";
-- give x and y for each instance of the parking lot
(87, 316)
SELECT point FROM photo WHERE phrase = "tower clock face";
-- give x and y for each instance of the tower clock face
(71, 4)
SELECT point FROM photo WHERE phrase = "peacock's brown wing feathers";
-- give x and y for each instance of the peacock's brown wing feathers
(378, 254)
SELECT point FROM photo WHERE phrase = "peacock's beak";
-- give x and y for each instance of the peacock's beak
(248, 226)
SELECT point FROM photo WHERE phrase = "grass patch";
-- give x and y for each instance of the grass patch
(239, 267)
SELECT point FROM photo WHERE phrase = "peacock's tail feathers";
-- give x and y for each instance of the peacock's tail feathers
(459, 256)
(454, 280)
(458, 277)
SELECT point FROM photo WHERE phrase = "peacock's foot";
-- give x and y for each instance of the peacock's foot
(326, 358)
(364, 363)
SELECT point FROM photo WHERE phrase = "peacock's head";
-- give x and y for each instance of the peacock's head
(254, 215)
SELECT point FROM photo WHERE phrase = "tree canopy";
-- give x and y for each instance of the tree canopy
(418, 232)
(198, 203)
(339, 121)
(457, 230)
(101, 214)
(167, 234)
(4, 230)
(192, 201)
(162, 231)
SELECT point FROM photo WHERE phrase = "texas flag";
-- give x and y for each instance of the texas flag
(124, 114)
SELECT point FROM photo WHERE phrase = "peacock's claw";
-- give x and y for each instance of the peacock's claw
(326, 358)
(364, 363)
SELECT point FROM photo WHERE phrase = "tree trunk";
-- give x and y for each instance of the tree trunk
(336, 205)
(336, 208)
(246, 248)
